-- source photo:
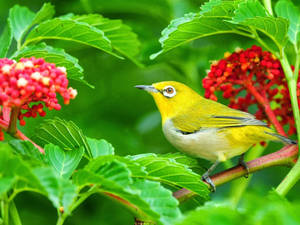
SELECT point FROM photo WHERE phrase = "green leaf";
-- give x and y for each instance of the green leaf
(53, 55)
(64, 134)
(114, 179)
(5, 40)
(161, 200)
(70, 30)
(110, 168)
(20, 18)
(63, 162)
(219, 8)
(248, 10)
(60, 191)
(121, 36)
(100, 147)
(190, 27)
(168, 170)
(252, 14)
(27, 149)
(12, 166)
(287, 10)
(45, 13)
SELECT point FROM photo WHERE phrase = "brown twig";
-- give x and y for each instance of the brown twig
(286, 156)
(12, 127)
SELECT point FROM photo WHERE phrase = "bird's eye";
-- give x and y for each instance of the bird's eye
(169, 91)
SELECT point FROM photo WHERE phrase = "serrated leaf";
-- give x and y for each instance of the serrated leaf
(249, 9)
(45, 13)
(64, 134)
(113, 178)
(252, 14)
(161, 200)
(100, 147)
(191, 163)
(287, 10)
(70, 30)
(27, 149)
(20, 18)
(168, 170)
(121, 36)
(110, 168)
(5, 39)
(190, 27)
(53, 55)
(63, 162)
(60, 191)
(220, 8)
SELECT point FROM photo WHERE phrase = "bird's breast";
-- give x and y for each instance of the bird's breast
(207, 143)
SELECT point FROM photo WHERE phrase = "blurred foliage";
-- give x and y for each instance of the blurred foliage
(115, 111)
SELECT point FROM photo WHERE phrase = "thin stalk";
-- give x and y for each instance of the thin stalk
(296, 70)
(267, 108)
(294, 175)
(5, 210)
(14, 214)
(268, 6)
(239, 186)
(61, 219)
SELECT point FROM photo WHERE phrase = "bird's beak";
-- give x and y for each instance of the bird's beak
(148, 88)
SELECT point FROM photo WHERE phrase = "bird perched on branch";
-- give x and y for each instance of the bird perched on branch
(204, 128)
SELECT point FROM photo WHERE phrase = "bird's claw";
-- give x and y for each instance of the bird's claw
(209, 181)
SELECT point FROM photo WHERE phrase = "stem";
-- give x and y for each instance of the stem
(239, 186)
(61, 219)
(284, 157)
(5, 210)
(12, 127)
(296, 71)
(265, 103)
(268, 6)
(294, 175)
(14, 214)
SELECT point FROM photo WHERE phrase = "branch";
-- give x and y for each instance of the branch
(12, 127)
(287, 156)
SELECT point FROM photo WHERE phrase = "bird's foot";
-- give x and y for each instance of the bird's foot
(244, 164)
(209, 181)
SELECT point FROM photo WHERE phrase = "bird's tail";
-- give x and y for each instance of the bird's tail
(283, 139)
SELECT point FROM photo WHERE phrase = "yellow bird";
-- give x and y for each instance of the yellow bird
(204, 128)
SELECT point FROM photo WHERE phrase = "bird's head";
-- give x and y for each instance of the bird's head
(171, 97)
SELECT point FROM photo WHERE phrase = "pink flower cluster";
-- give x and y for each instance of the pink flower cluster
(31, 81)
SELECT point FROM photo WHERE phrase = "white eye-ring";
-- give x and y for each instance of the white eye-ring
(169, 91)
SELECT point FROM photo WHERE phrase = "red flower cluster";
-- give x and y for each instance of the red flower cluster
(29, 81)
(252, 76)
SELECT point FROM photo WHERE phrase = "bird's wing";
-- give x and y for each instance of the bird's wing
(214, 115)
